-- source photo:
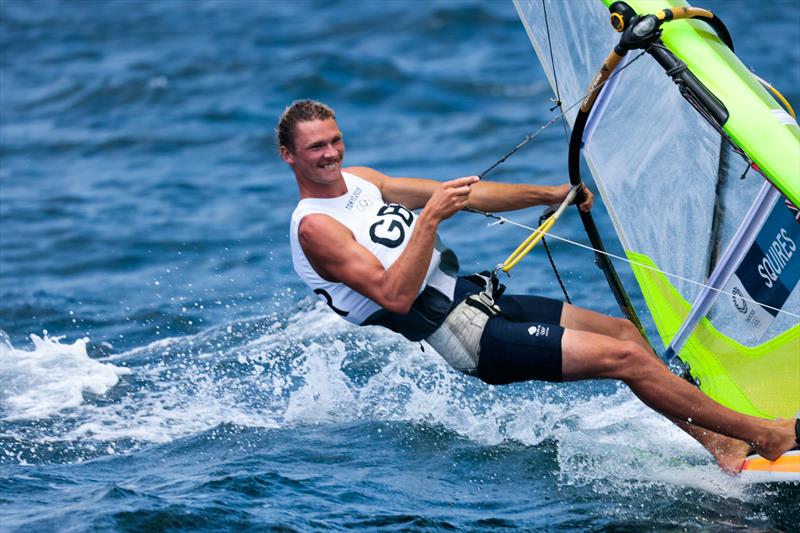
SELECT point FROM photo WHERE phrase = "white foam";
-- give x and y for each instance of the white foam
(600, 438)
(313, 368)
(616, 444)
(51, 378)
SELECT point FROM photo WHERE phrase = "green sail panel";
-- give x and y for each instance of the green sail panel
(673, 191)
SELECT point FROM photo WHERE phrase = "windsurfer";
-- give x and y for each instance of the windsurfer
(357, 243)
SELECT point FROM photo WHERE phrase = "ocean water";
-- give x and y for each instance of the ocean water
(163, 369)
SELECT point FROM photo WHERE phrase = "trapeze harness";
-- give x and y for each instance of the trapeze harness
(454, 331)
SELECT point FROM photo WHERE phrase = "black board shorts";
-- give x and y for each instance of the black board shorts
(523, 343)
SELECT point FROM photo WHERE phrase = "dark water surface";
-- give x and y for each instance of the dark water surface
(182, 378)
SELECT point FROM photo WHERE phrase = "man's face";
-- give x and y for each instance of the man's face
(318, 151)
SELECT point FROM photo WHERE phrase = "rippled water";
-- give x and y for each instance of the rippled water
(164, 369)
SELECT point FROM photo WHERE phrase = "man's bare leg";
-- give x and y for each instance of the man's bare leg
(588, 354)
(729, 453)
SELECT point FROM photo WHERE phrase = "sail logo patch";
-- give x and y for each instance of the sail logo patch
(771, 268)
(769, 272)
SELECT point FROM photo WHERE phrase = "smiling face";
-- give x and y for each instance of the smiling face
(316, 157)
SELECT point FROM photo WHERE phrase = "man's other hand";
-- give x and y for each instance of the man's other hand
(450, 197)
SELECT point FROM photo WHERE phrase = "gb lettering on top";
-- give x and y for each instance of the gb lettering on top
(392, 226)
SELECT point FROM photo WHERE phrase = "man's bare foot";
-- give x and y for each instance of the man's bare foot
(779, 440)
(730, 454)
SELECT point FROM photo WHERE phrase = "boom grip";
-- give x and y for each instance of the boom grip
(600, 78)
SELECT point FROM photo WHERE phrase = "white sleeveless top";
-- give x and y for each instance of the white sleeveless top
(383, 229)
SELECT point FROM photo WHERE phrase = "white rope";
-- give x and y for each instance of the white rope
(502, 220)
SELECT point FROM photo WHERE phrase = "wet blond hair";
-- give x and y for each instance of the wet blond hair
(300, 111)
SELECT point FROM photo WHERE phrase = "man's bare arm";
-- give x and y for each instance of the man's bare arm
(486, 195)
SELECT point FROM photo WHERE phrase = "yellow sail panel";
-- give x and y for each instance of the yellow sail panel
(762, 380)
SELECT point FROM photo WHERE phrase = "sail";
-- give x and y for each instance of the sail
(674, 188)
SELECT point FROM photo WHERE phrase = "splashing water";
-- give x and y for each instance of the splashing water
(310, 369)
(51, 378)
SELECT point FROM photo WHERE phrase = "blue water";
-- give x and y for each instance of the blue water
(163, 368)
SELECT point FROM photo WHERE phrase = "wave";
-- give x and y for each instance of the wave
(307, 368)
